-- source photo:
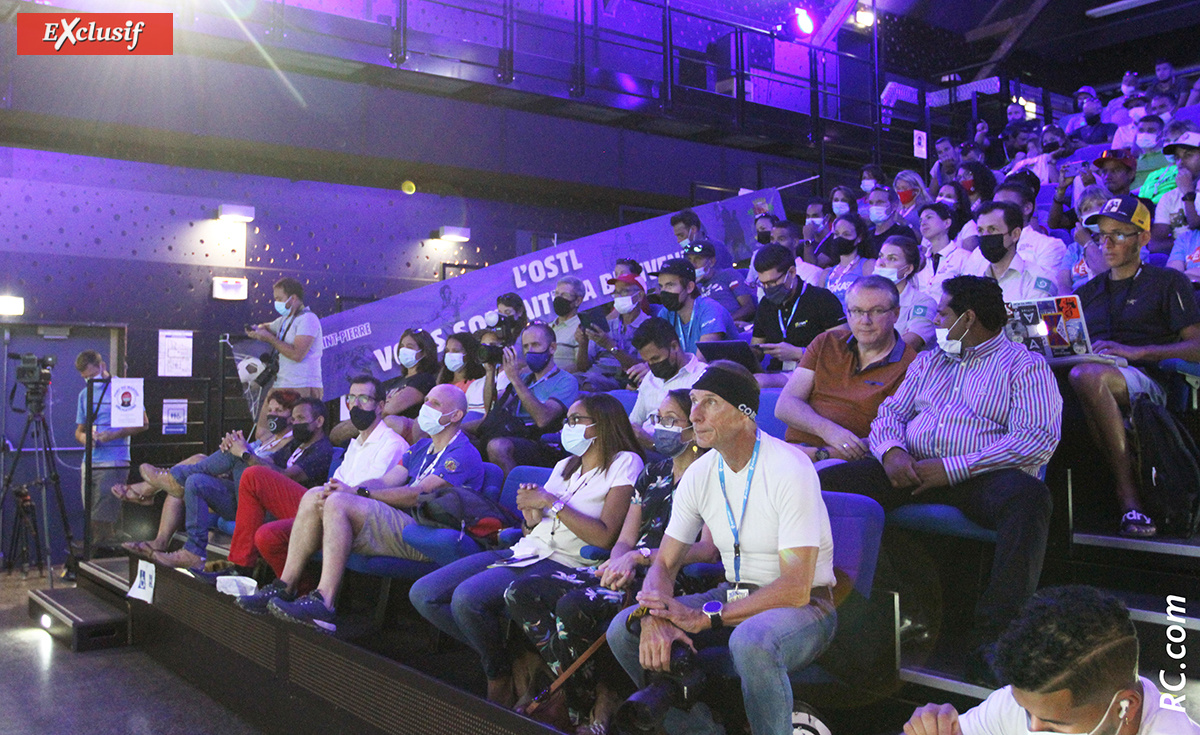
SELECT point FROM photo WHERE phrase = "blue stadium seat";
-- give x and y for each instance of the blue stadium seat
(766, 413)
(856, 523)
(508, 497)
(626, 397)
(1184, 387)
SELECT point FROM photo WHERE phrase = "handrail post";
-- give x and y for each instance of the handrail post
(505, 67)
(876, 103)
(399, 52)
(816, 123)
(739, 68)
(578, 70)
(668, 76)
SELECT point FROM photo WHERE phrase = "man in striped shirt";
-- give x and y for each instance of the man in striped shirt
(971, 426)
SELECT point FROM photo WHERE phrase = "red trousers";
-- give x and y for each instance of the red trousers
(263, 490)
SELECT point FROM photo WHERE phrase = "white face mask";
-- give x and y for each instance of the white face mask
(1128, 89)
(877, 213)
(892, 274)
(684, 243)
(948, 201)
(1166, 117)
(624, 304)
(407, 357)
(815, 222)
(454, 361)
(430, 420)
(1137, 113)
(868, 185)
(702, 273)
(574, 441)
(840, 208)
(1146, 141)
(947, 345)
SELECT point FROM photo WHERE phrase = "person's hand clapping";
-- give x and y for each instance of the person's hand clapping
(933, 719)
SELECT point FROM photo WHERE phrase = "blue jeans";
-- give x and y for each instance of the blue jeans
(204, 493)
(465, 599)
(763, 648)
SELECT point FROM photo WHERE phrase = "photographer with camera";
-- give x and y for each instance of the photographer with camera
(777, 550)
(296, 339)
(110, 447)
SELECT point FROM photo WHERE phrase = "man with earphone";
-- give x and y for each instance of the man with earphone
(1071, 663)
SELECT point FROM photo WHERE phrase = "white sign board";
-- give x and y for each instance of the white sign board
(128, 403)
(174, 353)
(920, 148)
(143, 586)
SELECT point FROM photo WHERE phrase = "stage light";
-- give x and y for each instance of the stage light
(804, 22)
(235, 213)
(12, 306)
(864, 17)
(46, 621)
(454, 234)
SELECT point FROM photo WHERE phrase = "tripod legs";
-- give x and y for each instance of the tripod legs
(24, 529)
(24, 544)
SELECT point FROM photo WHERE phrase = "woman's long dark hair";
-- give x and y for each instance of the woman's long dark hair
(614, 434)
(471, 363)
(429, 352)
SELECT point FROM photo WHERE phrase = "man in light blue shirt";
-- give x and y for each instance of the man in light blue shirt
(696, 318)
(110, 447)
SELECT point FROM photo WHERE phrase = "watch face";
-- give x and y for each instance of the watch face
(712, 607)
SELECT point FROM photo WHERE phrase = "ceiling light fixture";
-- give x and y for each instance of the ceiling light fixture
(235, 213)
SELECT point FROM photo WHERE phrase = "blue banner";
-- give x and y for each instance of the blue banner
(366, 339)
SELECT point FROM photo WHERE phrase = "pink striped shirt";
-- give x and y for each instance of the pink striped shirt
(997, 407)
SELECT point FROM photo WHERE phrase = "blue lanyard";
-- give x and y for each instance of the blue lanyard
(691, 326)
(779, 314)
(733, 527)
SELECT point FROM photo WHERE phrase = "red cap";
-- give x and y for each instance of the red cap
(628, 278)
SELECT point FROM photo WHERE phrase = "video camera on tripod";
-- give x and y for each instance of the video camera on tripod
(34, 374)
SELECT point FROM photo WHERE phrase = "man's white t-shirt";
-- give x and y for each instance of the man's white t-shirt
(1000, 714)
(307, 372)
(1169, 211)
(371, 459)
(785, 511)
(653, 390)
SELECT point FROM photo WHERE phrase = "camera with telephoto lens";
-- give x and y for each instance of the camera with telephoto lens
(490, 354)
(34, 371)
(680, 687)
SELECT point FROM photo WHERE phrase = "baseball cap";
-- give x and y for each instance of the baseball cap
(629, 279)
(1128, 209)
(702, 248)
(1121, 155)
(1085, 89)
(1187, 140)
(679, 267)
(1137, 99)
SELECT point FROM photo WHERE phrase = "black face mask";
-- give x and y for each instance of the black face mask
(764, 238)
(778, 293)
(562, 306)
(841, 246)
(1051, 146)
(277, 424)
(361, 418)
(670, 301)
(992, 247)
(1092, 119)
(663, 369)
(302, 432)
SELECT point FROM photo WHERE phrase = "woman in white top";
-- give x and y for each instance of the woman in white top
(583, 503)
(899, 261)
(944, 257)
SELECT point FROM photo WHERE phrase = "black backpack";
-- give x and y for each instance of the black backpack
(463, 510)
(1167, 468)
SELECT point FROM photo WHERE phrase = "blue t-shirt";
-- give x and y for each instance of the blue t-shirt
(1187, 249)
(724, 287)
(459, 464)
(557, 384)
(115, 452)
(708, 317)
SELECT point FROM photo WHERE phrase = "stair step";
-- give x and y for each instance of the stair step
(1170, 547)
(80, 618)
(111, 574)
(943, 682)
(1147, 608)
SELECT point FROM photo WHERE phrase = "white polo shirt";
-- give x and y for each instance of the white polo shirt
(785, 510)
(951, 263)
(371, 459)
(916, 314)
(1000, 714)
(1040, 250)
(653, 390)
(1020, 282)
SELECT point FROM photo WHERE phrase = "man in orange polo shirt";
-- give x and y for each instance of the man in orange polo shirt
(834, 393)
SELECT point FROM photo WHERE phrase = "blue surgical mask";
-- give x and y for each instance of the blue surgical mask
(574, 441)
(407, 356)
(840, 208)
(430, 420)
(669, 441)
(454, 361)
(877, 213)
(281, 307)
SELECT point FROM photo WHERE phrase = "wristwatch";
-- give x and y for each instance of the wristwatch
(246, 455)
(554, 509)
(1190, 196)
(713, 609)
(364, 492)
(645, 552)
(821, 455)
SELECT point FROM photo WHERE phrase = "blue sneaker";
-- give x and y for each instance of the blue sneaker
(257, 602)
(309, 610)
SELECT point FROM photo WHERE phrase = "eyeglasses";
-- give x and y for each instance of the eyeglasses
(1114, 238)
(772, 284)
(669, 422)
(875, 313)
(361, 401)
(578, 420)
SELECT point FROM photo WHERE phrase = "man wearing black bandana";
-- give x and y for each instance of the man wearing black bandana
(776, 545)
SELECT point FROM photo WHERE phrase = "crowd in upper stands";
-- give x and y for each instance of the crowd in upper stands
(879, 320)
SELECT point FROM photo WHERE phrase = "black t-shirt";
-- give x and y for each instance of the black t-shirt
(1101, 132)
(870, 247)
(815, 310)
(1149, 309)
(422, 382)
(315, 460)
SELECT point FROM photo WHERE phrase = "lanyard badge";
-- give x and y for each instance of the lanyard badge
(734, 526)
